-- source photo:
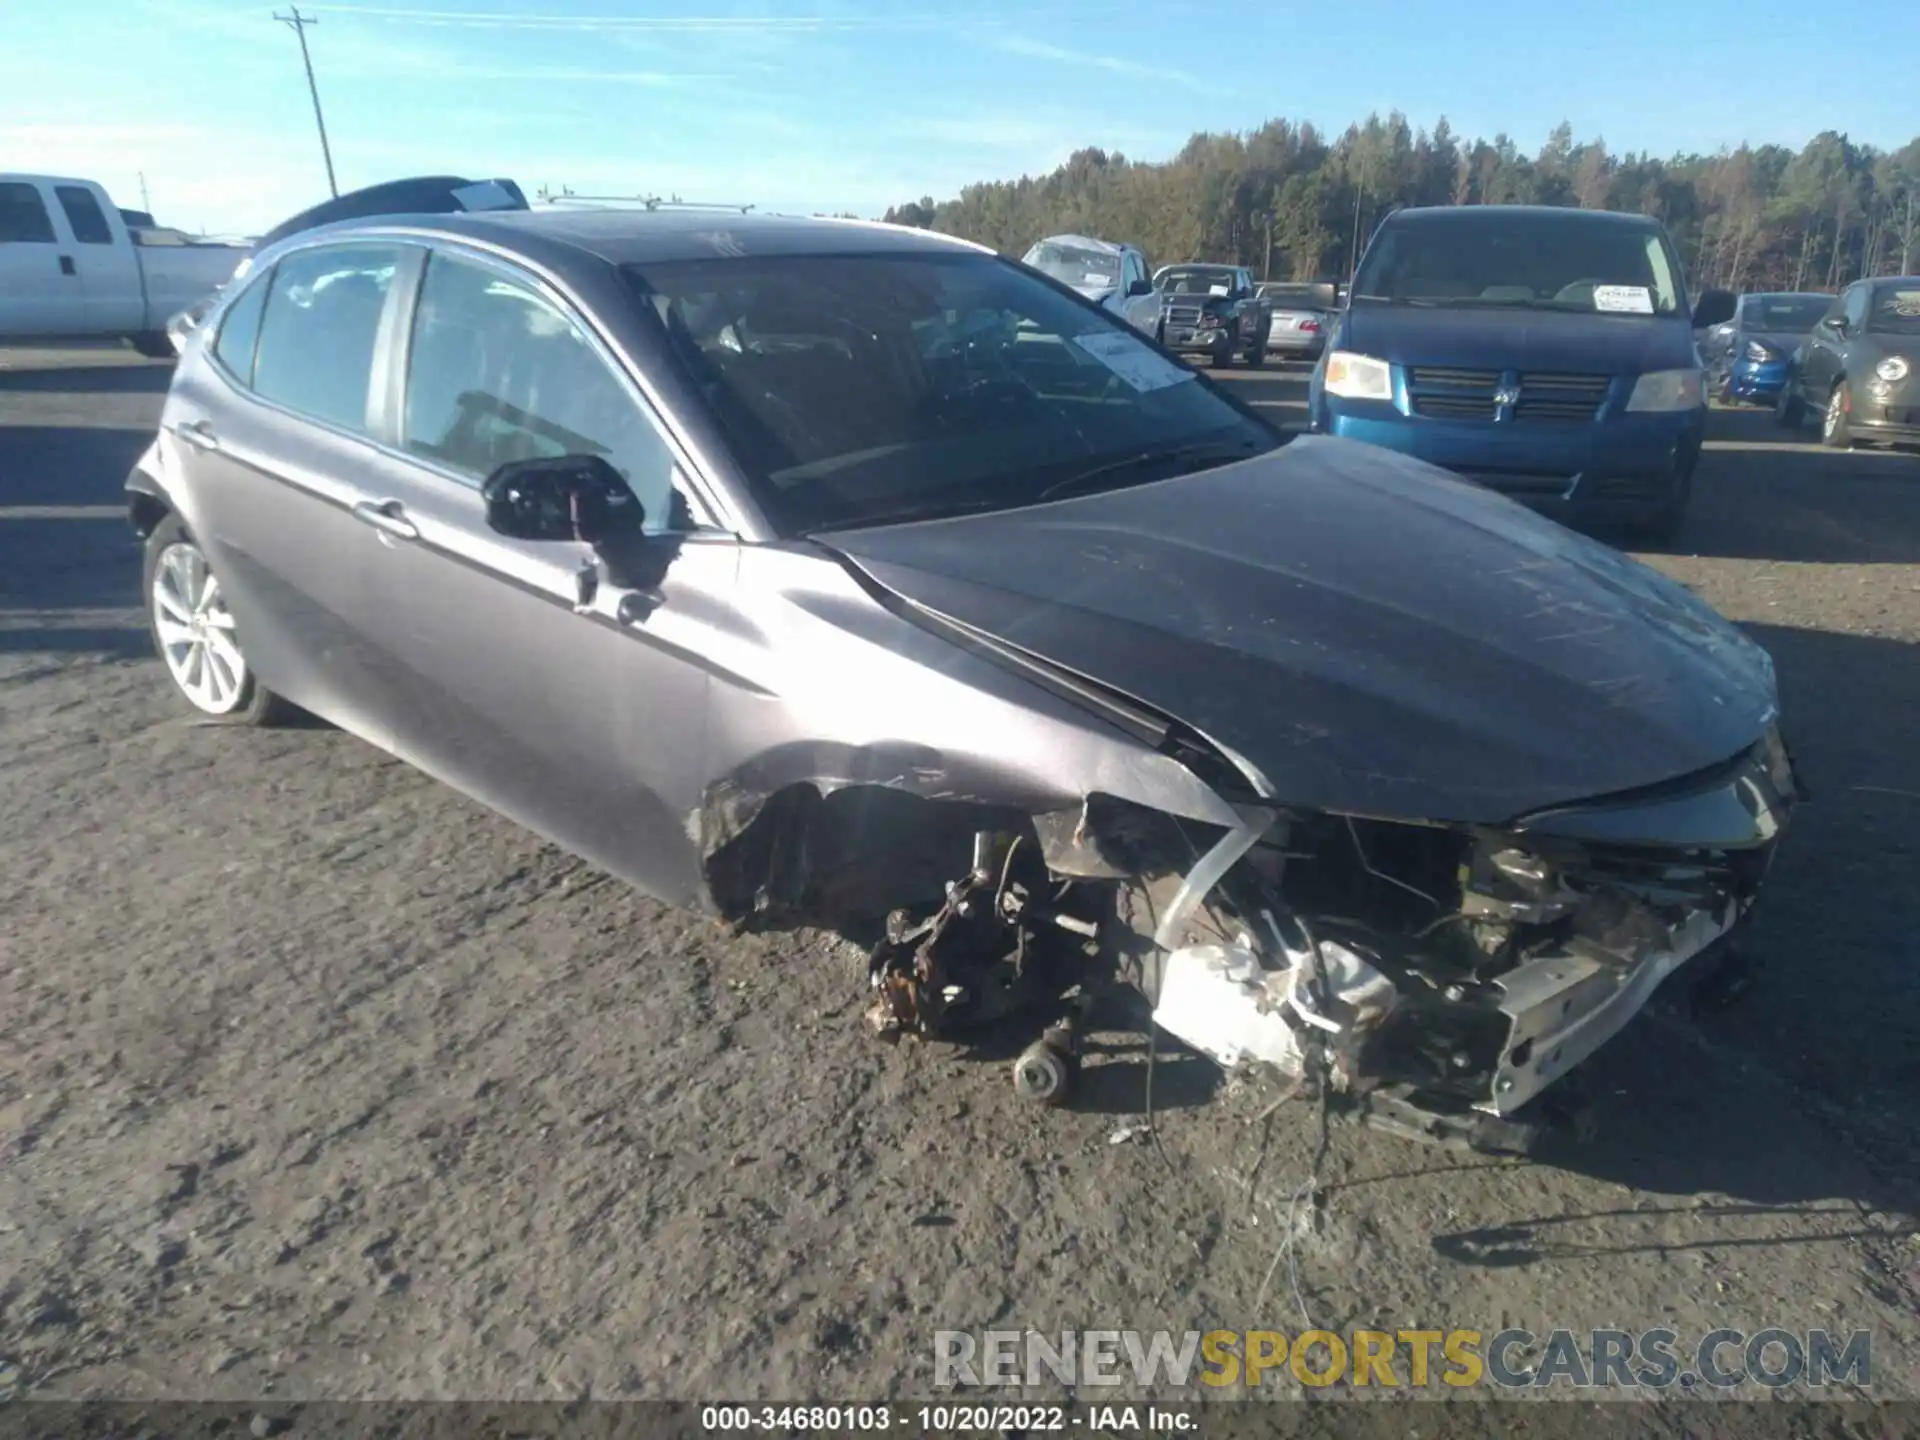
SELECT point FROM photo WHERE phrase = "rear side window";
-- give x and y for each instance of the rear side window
(499, 373)
(84, 215)
(240, 330)
(314, 353)
(23, 216)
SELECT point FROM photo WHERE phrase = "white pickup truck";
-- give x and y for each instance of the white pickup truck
(71, 267)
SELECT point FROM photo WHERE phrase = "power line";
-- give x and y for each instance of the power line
(298, 24)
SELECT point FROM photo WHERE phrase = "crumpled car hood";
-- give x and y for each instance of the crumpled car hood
(1370, 634)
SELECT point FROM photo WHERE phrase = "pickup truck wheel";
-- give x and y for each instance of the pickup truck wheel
(194, 632)
(1257, 356)
(153, 344)
(1222, 354)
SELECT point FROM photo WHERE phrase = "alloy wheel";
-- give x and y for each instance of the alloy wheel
(195, 631)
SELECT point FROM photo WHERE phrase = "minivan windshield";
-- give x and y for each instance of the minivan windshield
(1895, 309)
(1492, 255)
(1783, 314)
(1074, 264)
(863, 390)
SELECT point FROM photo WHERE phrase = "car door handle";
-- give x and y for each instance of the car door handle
(199, 434)
(388, 518)
(66, 265)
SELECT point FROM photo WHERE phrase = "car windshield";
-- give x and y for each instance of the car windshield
(1478, 256)
(1074, 264)
(1895, 310)
(1196, 280)
(861, 390)
(1783, 314)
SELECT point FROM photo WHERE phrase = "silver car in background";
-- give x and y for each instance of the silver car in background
(1302, 316)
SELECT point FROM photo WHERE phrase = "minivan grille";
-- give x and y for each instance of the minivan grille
(1560, 397)
(1445, 392)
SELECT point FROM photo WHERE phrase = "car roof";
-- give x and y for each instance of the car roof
(641, 237)
(1201, 265)
(1453, 214)
(1083, 242)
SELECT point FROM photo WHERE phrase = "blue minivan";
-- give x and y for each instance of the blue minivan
(1545, 353)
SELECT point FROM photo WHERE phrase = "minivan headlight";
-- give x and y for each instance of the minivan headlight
(1667, 391)
(1892, 368)
(1358, 377)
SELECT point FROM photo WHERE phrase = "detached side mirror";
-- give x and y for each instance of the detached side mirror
(569, 497)
(1716, 307)
(1139, 287)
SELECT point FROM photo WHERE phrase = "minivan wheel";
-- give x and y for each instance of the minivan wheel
(1662, 527)
(194, 632)
(1835, 433)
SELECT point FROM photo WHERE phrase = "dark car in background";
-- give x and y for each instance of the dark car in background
(1752, 353)
(1215, 310)
(1302, 314)
(1857, 368)
(1545, 353)
(839, 571)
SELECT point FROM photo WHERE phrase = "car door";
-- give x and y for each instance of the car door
(39, 285)
(109, 272)
(1820, 362)
(270, 427)
(1141, 311)
(579, 712)
(1854, 310)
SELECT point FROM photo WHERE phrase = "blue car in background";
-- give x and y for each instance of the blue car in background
(1545, 353)
(1751, 354)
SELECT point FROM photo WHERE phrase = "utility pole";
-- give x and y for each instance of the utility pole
(145, 203)
(298, 24)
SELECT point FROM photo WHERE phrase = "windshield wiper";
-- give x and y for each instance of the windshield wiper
(1220, 452)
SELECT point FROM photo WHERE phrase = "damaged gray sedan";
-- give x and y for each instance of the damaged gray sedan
(808, 572)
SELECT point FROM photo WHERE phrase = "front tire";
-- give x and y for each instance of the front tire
(1257, 357)
(1835, 432)
(193, 631)
(1662, 527)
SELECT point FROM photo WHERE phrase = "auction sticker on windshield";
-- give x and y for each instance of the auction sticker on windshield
(1623, 299)
(1132, 361)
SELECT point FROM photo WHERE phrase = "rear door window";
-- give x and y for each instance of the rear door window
(239, 332)
(499, 372)
(23, 216)
(314, 352)
(84, 215)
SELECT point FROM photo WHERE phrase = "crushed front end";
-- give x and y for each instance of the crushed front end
(1440, 976)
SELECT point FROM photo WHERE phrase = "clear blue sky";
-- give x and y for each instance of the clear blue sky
(854, 104)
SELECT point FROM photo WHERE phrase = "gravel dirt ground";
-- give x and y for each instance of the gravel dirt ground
(319, 1081)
